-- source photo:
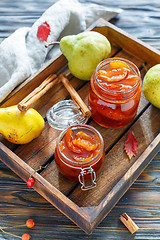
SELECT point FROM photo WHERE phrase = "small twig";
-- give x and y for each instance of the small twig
(144, 66)
(11, 234)
(40, 168)
(52, 43)
(23, 225)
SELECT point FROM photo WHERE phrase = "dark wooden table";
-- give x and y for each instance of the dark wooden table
(141, 18)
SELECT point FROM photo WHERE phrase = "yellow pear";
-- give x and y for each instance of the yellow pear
(20, 127)
(151, 85)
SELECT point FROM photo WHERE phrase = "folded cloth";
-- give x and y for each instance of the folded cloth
(22, 53)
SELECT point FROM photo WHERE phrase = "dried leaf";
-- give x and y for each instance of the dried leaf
(43, 31)
(131, 145)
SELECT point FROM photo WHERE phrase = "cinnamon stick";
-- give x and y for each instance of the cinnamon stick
(75, 96)
(48, 83)
(129, 223)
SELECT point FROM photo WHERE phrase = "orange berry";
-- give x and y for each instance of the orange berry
(26, 236)
(30, 223)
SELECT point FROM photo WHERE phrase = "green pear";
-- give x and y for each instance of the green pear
(151, 85)
(84, 52)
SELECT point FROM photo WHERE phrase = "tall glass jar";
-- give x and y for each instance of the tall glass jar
(114, 99)
(84, 160)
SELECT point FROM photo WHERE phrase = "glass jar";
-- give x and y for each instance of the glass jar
(113, 100)
(77, 163)
(64, 114)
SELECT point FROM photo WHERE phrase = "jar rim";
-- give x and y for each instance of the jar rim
(131, 64)
(82, 126)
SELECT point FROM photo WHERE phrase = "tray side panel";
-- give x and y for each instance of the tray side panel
(99, 212)
(128, 42)
(44, 188)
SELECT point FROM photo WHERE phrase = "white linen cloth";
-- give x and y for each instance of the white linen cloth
(22, 53)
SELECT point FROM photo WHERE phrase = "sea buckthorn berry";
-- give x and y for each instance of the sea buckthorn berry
(30, 223)
(26, 236)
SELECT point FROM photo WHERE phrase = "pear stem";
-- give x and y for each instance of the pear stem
(52, 43)
(144, 67)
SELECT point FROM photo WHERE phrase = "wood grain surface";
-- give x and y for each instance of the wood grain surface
(141, 202)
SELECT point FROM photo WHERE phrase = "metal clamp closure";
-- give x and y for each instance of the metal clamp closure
(81, 177)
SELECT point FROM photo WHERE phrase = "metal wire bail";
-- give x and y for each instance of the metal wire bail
(81, 177)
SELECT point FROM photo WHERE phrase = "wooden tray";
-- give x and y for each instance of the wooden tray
(87, 208)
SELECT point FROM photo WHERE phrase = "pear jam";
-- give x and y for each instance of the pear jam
(79, 154)
(115, 92)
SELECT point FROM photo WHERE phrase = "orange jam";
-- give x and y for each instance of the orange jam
(115, 92)
(79, 148)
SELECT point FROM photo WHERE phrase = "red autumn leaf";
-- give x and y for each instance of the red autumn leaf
(131, 145)
(43, 31)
